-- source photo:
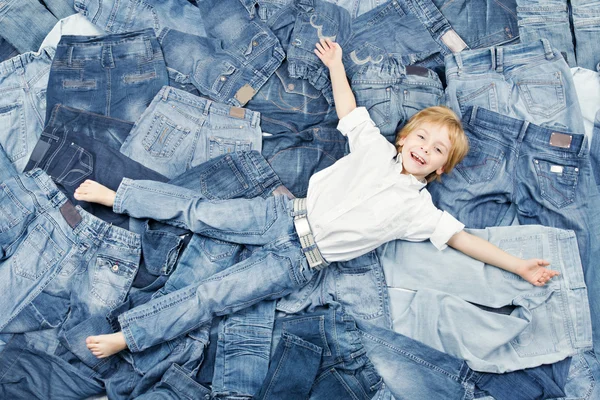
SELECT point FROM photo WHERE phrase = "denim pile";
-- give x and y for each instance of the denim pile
(227, 98)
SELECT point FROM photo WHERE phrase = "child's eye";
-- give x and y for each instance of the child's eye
(421, 136)
(438, 150)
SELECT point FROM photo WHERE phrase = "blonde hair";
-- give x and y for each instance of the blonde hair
(441, 116)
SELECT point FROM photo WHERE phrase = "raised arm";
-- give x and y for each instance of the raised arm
(331, 54)
(533, 270)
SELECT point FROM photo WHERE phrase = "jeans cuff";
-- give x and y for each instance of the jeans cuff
(118, 202)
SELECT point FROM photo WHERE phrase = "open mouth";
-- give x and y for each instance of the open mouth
(417, 158)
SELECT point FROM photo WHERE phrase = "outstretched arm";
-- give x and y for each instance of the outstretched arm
(533, 271)
(331, 54)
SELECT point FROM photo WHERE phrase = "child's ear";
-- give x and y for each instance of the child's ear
(401, 141)
(440, 170)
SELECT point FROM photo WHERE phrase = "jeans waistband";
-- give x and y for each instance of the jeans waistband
(434, 21)
(62, 114)
(307, 240)
(97, 230)
(206, 106)
(19, 63)
(510, 131)
(391, 70)
(39, 182)
(496, 57)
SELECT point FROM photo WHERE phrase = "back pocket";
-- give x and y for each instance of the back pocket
(557, 182)
(163, 137)
(485, 96)
(11, 210)
(223, 180)
(544, 95)
(37, 254)
(12, 122)
(481, 162)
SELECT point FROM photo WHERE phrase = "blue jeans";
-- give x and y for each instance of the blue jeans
(23, 82)
(529, 81)
(117, 16)
(295, 157)
(7, 50)
(74, 150)
(290, 105)
(229, 65)
(545, 325)
(326, 344)
(115, 75)
(392, 92)
(25, 24)
(585, 28)
(595, 150)
(179, 131)
(60, 8)
(545, 173)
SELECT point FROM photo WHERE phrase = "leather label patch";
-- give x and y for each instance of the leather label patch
(237, 112)
(561, 140)
(453, 41)
(416, 70)
(70, 214)
(245, 93)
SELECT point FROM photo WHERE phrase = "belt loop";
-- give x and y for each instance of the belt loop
(70, 56)
(18, 64)
(499, 60)
(255, 119)
(459, 63)
(548, 49)
(473, 115)
(107, 56)
(207, 106)
(523, 131)
(493, 57)
(165, 93)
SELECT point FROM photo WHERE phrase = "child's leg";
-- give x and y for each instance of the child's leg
(93, 192)
(106, 345)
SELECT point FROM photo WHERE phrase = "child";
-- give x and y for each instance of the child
(373, 195)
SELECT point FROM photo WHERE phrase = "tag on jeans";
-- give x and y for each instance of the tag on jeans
(237, 112)
(561, 140)
(70, 214)
(558, 169)
(416, 70)
(39, 151)
(453, 41)
(245, 93)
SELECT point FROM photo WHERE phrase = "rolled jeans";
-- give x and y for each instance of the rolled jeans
(275, 269)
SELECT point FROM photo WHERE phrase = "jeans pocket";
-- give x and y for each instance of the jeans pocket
(11, 210)
(415, 100)
(377, 100)
(543, 95)
(580, 380)
(557, 182)
(218, 146)
(111, 279)
(72, 79)
(163, 137)
(485, 96)
(217, 249)
(212, 77)
(36, 254)
(12, 119)
(481, 162)
(223, 180)
(79, 165)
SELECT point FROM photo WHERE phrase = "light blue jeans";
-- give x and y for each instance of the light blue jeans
(435, 297)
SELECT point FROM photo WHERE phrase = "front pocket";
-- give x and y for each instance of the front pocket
(544, 95)
(481, 162)
(557, 182)
(111, 279)
(36, 255)
(79, 166)
(485, 96)
(163, 137)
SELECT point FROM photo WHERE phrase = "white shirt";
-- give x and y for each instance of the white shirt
(587, 86)
(364, 200)
(75, 24)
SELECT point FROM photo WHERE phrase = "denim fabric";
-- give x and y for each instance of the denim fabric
(176, 384)
(24, 24)
(30, 373)
(595, 150)
(23, 82)
(414, 371)
(586, 25)
(77, 149)
(315, 20)
(114, 75)
(291, 105)
(296, 157)
(336, 366)
(179, 131)
(118, 16)
(550, 181)
(392, 93)
(271, 271)
(546, 324)
(528, 81)
(60, 8)
(230, 65)
(7, 50)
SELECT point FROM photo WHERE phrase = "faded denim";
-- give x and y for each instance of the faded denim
(179, 131)
(25, 24)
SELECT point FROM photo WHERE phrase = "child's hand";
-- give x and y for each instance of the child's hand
(329, 52)
(535, 272)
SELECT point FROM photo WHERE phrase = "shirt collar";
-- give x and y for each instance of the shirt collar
(413, 180)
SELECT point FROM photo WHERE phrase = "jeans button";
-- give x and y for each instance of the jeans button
(223, 79)
(115, 267)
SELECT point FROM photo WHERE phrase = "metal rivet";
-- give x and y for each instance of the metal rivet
(223, 78)
(576, 169)
(115, 267)
(291, 86)
(254, 43)
(536, 161)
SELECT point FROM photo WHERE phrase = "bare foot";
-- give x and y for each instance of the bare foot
(106, 345)
(93, 192)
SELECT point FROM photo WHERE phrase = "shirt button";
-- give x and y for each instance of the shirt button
(115, 267)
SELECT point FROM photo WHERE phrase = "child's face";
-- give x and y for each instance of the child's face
(425, 150)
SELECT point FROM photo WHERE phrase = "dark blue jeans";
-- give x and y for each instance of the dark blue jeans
(115, 75)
